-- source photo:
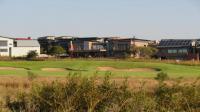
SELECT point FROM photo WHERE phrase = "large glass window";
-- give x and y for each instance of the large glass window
(122, 46)
(172, 51)
(183, 51)
(3, 50)
(3, 43)
(97, 47)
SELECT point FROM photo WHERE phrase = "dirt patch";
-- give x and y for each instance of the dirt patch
(54, 69)
(11, 68)
(126, 70)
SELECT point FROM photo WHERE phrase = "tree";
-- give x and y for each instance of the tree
(32, 55)
(147, 52)
(56, 50)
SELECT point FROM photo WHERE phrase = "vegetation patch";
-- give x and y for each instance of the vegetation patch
(79, 94)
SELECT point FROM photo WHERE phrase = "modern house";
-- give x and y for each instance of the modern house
(88, 46)
(47, 42)
(17, 47)
(183, 49)
(122, 46)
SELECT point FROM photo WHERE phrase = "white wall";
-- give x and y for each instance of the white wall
(9, 44)
(23, 51)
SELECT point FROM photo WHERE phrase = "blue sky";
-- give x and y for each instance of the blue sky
(149, 19)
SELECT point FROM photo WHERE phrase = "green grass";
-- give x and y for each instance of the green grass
(91, 65)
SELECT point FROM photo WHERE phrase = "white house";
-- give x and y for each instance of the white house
(17, 47)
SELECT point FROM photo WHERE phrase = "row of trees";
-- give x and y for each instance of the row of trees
(54, 51)
(144, 52)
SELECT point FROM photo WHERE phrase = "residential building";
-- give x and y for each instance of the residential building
(123, 46)
(18, 47)
(93, 46)
(88, 46)
(183, 49)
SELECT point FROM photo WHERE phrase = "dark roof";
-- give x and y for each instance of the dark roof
(130, 39)
(175, 42)
(86, 38)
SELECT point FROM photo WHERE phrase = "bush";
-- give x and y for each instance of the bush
(181, 98)
(86, 95)
(162, 76)
(144, 52)
(77, 94)
(31, 76)
(32, 55)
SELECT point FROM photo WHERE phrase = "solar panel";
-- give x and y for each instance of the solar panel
(175, 43)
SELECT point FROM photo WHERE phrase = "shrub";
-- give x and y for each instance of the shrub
(32, 55)
(181, 98)
(143, 52)
(162, 76)
(86, 95)
(31, 76)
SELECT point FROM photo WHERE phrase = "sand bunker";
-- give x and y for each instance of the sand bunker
(60, 69)
(70, 69)
(126, 70)
(54, 69)
(11, 68)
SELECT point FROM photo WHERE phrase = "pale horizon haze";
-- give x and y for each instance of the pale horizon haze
(147, 19)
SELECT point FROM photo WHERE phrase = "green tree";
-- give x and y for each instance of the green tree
(57, 50)
(147, 52)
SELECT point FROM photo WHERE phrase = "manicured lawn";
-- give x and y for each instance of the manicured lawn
(89, 67)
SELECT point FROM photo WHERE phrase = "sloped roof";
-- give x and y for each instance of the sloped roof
(27, 43)
(176, 42)
(6, 37)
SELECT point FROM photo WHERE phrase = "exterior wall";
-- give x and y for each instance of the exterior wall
(87, 45)
(9, 45)
(140, 44)
(78, 46)
(23, 51)
(164, 53)
(121, 45)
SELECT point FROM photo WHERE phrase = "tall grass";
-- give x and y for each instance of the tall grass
(80, 94)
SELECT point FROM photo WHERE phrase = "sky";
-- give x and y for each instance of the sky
(147, 19)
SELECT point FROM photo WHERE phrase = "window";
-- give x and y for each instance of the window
(3, 43)
(163, 51)
(3, 50)
(182, 51)
(97, 47)
(172, 51)
(122, 46)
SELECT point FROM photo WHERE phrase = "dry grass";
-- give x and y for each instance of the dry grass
(23, 83)
(12, 85)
